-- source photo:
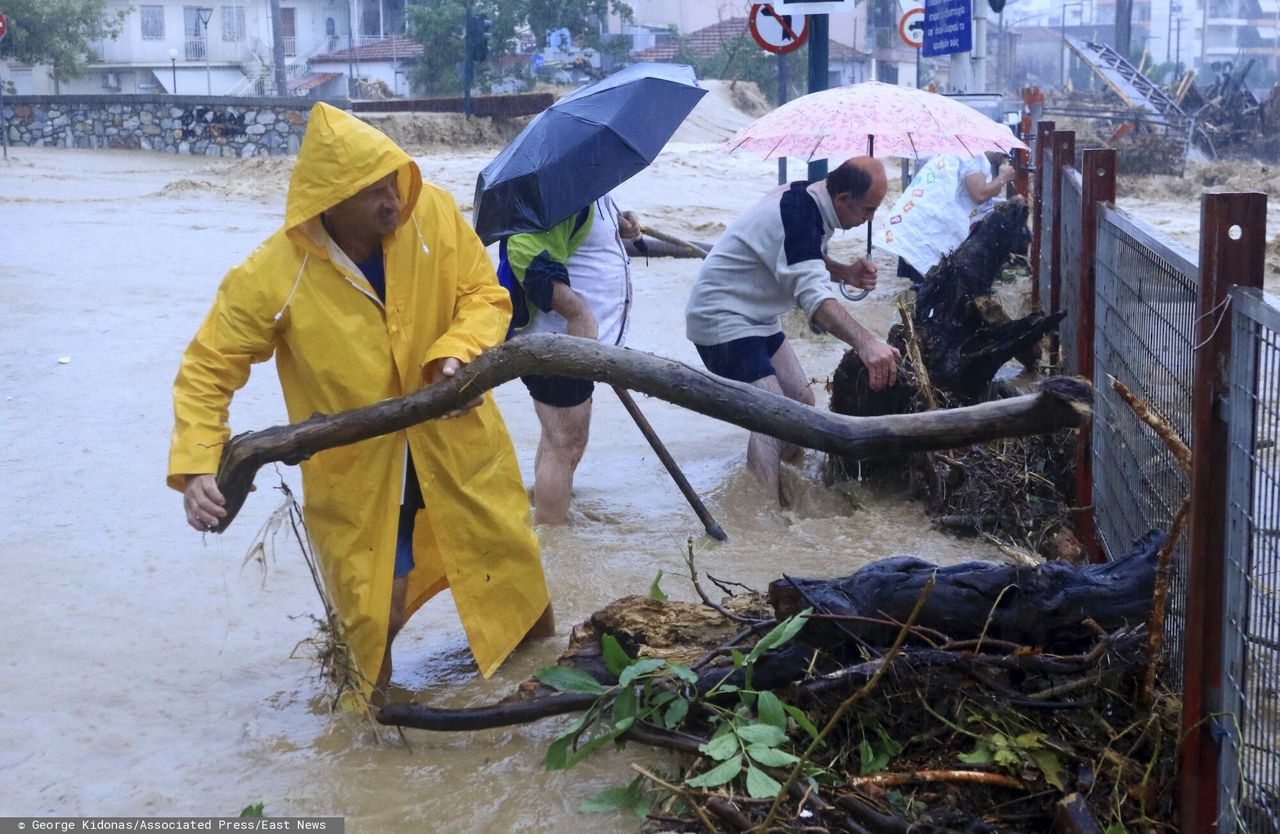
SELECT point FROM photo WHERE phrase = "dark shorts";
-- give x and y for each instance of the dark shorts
(559, 391)
(408, 512)
(746, 359)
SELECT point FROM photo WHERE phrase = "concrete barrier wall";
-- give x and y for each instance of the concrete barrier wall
(197, 125)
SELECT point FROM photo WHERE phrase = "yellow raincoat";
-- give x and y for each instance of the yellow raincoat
(337, 347)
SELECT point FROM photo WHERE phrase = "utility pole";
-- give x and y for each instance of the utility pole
(277, 51)
(351, 48)
(1178, 48)
(1124, 26)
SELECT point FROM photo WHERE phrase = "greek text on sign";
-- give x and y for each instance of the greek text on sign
(948, 27)
(799, 8)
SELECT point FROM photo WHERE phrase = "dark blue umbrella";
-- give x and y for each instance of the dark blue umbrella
(582, 146)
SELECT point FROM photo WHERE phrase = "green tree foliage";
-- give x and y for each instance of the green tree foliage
(582, 18)
(60, 33)
(439, 24)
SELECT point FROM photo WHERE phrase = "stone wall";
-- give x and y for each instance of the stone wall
(198, 125)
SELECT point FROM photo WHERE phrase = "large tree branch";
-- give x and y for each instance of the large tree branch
(1061, 403)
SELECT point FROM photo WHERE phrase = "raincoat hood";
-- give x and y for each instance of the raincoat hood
(341, 155)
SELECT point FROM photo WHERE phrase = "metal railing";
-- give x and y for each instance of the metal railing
(195, 49)
(1249, 799)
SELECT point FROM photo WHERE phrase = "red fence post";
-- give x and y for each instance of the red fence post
(1064, 155)
(1233, 240)
(1043, 131)
(1098, 184)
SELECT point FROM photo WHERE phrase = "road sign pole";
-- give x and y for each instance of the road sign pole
(818, 62)
(4, 120)
(782, 99)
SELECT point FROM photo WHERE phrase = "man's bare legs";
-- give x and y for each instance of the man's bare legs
(564, 439)
(765, 453)
(399, 590)
(545, 626)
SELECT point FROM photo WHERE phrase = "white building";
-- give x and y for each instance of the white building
(222, 49)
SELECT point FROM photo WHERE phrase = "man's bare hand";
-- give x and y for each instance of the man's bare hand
(861, 273)
(628, 225)
(882, 363)
(203, 502)
(439, 371)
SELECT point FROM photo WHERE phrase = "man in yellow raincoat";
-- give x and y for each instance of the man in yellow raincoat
(374, 286)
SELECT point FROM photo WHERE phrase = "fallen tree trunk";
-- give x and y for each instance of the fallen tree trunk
(1044, 605)
(1060, 403)
(1053, 608)
(964, 335)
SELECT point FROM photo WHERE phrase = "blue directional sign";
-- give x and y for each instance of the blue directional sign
(948, 27)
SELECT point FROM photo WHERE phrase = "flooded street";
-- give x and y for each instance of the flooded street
(148, 670)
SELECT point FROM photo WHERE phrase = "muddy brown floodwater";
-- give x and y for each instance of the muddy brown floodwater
(148, 671)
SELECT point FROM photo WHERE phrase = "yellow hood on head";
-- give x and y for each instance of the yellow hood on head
(339, 156)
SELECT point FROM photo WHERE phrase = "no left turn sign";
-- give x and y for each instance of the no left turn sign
(775, 32)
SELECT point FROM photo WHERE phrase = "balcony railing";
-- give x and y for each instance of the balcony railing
(195, 49)
(290, 45)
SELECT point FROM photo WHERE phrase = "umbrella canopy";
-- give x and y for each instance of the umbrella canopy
(581, 147)
(872, 117)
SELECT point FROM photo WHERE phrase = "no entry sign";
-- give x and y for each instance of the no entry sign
(4, 26)
(775, 32)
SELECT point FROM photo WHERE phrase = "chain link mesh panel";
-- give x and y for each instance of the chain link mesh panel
(1045, 268)
(1146, 290)
(1250, 761)
(1069, 266)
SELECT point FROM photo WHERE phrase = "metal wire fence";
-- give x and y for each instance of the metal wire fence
(1069, 269)
(1044, 269)
(1146, 303)
(1146, 295)
(1250, 779)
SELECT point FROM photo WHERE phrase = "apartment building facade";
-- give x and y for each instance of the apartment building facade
(218, 47)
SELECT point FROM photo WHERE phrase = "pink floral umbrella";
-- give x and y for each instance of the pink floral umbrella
(874, 119)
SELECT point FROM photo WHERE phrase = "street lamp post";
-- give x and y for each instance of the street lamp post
(1177, 49)
(1174, 9)
(206, 14)
(1062, 82)
(173, 67)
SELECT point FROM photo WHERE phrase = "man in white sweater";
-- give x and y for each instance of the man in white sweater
(769, 260)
